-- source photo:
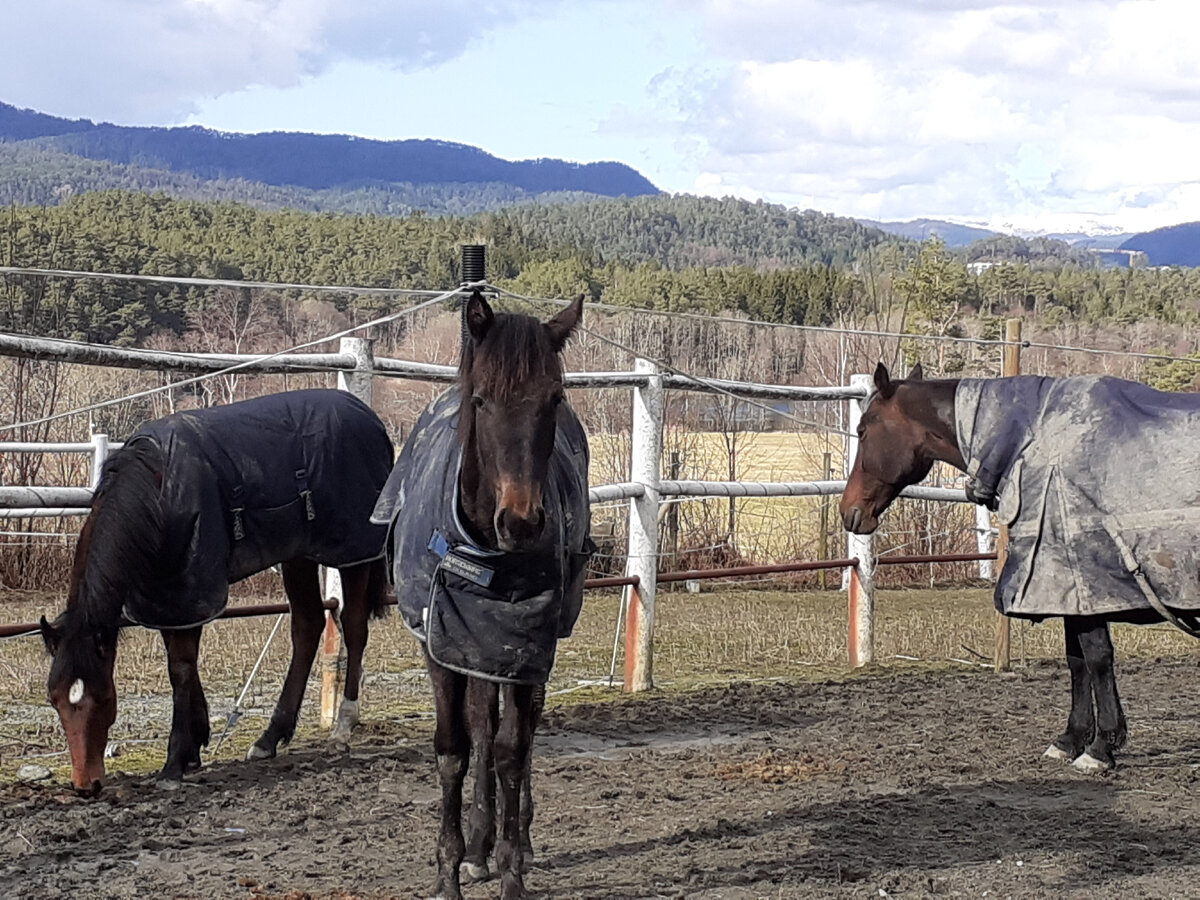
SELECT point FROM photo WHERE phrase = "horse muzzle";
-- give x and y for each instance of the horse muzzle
(516, 531)
(857, 521)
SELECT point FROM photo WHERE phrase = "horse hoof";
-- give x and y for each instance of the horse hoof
(476, 871)
(257, 752)
(1056, 752)
(340, 736)
(1089, 765)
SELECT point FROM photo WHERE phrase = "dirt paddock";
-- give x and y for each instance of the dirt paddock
(892, 784)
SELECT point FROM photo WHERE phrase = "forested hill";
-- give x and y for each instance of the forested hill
(681, 252)
(312, 161)
(1177, 245)
(684, 230)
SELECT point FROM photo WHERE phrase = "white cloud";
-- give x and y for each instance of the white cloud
(148, 61)
(965, 109)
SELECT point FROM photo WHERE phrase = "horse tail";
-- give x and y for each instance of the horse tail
(377, 594)
(125, 531)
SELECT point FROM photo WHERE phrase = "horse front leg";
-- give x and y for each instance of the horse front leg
(1111, 730)
(483, 714)
(451, 744)
(303, 589)
(189, 716)
(539, 705)
(1081, 723)
(356, 611)
(514, 740)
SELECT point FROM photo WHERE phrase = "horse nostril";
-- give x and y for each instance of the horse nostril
(852, 519)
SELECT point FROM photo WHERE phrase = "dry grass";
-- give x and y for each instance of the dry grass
(720, 635)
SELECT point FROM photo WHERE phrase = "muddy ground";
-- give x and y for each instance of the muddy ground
(893, 784)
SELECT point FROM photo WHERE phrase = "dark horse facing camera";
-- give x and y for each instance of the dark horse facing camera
(192, 503)
(1090, 540)
(488, 505)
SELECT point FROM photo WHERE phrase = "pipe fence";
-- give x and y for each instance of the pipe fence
(646, 491)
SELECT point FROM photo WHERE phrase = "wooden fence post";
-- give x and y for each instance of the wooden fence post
(99, 455)
(861, 586)
(645, 467)
(1011, 365)
(333, 654)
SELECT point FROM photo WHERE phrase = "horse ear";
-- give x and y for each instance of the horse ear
(563, 325)
(479, 316)
(883, 381)
(916, 373)
(51, 636)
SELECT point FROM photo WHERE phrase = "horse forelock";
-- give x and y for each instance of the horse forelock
(516, 351)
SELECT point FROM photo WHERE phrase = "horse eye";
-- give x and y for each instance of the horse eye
(477, 401)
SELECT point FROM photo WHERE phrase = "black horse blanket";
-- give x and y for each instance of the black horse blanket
(288, 476)
(1098, 480)
(483, 612)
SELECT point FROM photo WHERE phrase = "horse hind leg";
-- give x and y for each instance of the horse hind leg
(303, 589)
(1081, 723)
(1111, 729)
(189, 717)
(359, 587)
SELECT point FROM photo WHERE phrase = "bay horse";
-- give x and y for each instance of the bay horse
(192, 503)
(489, 516)
(1090, 541)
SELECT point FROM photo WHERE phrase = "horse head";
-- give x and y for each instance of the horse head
(81, 689)
(511, 384)
(906, 426)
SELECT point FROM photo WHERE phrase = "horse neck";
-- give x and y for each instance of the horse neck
(477, 498)
(931, 403)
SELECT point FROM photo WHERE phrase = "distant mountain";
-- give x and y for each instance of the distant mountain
(1176, 245)
(310, 161)
(923, 229)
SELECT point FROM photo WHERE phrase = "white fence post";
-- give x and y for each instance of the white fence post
(985, 540)
(333, 654)
(645, 467)
(99, 455)
(861, 580)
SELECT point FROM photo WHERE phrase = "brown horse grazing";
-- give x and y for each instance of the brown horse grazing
(1090, 541)
(192, 503)
(488, 504)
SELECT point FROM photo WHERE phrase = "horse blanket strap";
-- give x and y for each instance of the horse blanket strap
(1097, 479)
(1139, 577)
(287, 476)
(485, 612)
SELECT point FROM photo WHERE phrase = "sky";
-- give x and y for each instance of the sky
(1050, 116)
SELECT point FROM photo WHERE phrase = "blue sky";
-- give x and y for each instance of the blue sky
(1049, 115)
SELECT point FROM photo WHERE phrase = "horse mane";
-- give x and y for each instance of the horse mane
(120, 545)
(516, 349)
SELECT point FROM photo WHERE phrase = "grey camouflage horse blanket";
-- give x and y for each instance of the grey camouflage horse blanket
(487, 613)
(1098, 480)
(287, 476)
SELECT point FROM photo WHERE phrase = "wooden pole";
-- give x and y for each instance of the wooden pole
(645, 467)
(823, 537)
(1011, 365)
(861, 584)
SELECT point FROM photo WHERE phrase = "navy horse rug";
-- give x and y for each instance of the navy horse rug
(1098, 480)
(287, 476)
(487, 613)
